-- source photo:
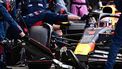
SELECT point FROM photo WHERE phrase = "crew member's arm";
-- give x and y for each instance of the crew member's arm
(10, 20)
(51, 17)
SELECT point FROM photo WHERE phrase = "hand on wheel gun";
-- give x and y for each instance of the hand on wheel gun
(75, 17)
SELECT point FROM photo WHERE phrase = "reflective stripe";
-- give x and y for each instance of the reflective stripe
(39, 4)
(32, 14)
(37, 12)
(24, 16)
(30, 5)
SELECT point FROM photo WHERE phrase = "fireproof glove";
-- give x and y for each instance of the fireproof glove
(85, 17)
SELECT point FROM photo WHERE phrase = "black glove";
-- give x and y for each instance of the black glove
(25, 38)
(85, 17)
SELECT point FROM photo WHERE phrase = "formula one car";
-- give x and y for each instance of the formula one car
(94, 43)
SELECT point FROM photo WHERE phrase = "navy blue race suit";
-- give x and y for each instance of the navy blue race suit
(36, 10)
(116, 40)
(5, 19)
